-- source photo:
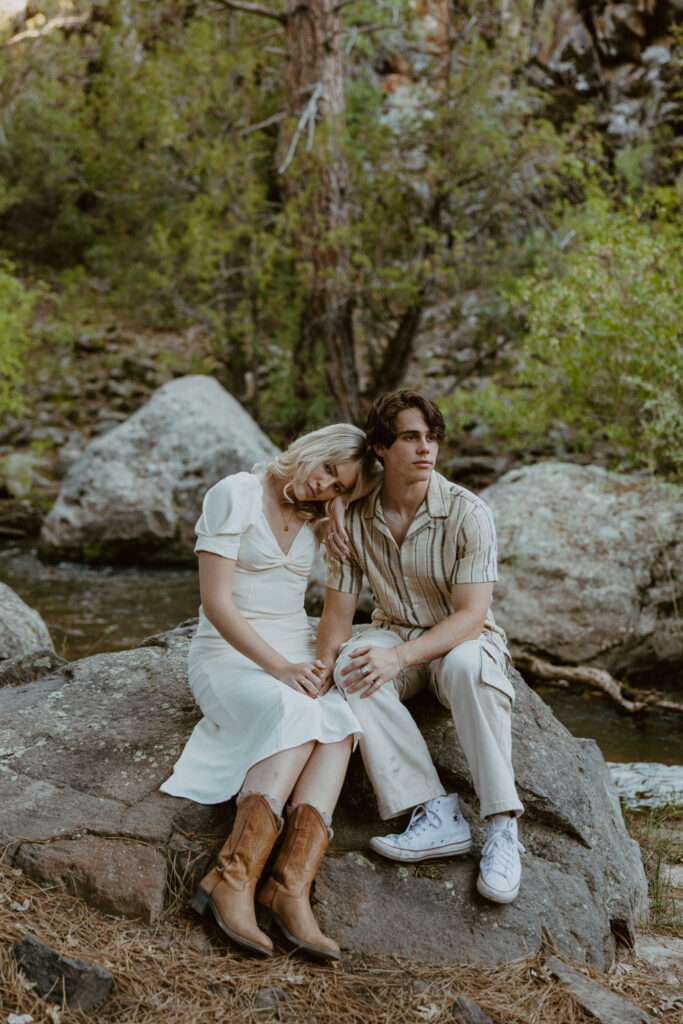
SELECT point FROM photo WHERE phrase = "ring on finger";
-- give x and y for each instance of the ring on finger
(364, 670)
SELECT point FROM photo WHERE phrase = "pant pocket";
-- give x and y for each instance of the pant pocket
(493, 675)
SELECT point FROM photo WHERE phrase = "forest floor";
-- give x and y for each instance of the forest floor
(179, 971)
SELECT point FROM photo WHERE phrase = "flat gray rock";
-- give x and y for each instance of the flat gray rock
(22, 630)
(596, 1000)
(467, 1012)
(83, 751)
(125, 878)
(82, 986)
(26, 668)
(136, 492)
(591, 565)
(644, 784)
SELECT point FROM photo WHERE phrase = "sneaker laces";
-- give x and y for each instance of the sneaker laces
(422, 818)
(499, 853)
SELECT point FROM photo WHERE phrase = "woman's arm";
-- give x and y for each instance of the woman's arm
(335, 537)
(216, 576)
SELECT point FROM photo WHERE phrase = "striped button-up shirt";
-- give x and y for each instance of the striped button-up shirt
(452, 539)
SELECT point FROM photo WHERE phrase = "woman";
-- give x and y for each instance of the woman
(272, 728)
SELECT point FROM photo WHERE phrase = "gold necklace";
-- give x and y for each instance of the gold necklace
(274, 496)
(285, 525)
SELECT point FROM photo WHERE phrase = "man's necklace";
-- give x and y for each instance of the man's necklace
(396, 522)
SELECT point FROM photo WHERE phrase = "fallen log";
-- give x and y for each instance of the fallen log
(588, 675)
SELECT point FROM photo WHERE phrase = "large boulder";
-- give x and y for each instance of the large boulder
(591, 565)
(83, 751)
(136, 492)
(596, 48)
(22, 630)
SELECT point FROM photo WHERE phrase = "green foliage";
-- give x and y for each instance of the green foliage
(146, 148)
(146, 163)
(16, 306)
(600, 358)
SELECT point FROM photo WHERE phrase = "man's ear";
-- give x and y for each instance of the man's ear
(379, 450)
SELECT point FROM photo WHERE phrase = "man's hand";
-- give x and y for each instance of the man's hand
(370, 668)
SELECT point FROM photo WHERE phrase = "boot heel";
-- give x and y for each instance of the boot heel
(264, 917)
(200, 901)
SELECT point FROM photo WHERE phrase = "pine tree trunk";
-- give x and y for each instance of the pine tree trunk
(313, 34)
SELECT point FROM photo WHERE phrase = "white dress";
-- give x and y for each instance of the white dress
(249, 714)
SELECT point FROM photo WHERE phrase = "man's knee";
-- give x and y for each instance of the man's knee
(469, 673)
(340, 664)
(373, 638)
(461, 667)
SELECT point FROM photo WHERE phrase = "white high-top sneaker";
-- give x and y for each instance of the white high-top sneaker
(436, 829)
(500, 869)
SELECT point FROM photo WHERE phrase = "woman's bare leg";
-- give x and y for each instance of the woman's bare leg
(322, 778)
(276, 775)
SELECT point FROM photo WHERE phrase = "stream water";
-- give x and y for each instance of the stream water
(89, 611)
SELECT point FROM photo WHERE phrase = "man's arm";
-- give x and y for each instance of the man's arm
(334, 629)
(470, 602)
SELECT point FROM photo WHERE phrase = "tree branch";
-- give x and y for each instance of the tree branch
(73, 21)
(261, 124)
(307, 117)
(582, 674)
(259, 9)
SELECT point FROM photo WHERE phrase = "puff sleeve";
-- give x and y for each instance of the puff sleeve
(229, 508)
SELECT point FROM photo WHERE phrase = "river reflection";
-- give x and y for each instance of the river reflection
(89, 611)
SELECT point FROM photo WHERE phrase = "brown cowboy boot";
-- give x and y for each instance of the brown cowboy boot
(228, 889)
(285, 896)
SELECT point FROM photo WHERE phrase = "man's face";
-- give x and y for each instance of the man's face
(412, 456)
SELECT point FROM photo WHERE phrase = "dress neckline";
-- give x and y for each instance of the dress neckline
(270, 528)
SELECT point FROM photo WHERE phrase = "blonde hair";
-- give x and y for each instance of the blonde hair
(340, 442)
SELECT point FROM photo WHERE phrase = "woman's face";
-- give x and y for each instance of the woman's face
(327, 481)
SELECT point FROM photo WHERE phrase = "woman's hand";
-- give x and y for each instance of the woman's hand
(370, 668)
(305, 677)
(336, 538)
(326, 679)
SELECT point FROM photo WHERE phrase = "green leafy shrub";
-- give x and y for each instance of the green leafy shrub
(600, 357)
(16, 306)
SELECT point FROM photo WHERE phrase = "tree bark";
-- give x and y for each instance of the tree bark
(315, 81)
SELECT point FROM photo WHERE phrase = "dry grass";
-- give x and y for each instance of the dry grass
(659, 833)
(179, 972)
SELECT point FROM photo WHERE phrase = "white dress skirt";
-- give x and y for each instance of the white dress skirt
(248, 714)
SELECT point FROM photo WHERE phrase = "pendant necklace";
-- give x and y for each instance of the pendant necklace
(285, 524)
(275, 496)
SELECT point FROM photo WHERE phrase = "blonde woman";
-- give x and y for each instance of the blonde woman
(273, 731)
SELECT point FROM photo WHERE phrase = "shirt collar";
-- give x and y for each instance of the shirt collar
(438, 497)
(436, 503)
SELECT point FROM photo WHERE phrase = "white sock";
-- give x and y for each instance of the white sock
(275, 805)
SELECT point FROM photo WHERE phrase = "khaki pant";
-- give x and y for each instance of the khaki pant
(470, 680)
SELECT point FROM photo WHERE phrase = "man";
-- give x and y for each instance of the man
(428, 550)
